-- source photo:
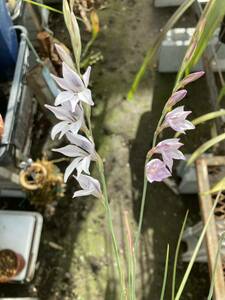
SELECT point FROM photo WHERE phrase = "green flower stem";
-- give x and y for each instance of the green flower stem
(111, 228)
(106, 205)
(144, 192)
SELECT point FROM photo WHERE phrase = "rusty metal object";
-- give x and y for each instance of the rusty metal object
(206, 204)
(11, 264)
(33, 177)
(43, 183)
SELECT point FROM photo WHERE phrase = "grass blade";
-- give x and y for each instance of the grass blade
(221, 94)
(206, 117)
(219, 186)
(165, 273)
(205, 147)
(153, 50)
(176, 255)
(215, 266)
(208, 23)
(44, 6)
(196, 250)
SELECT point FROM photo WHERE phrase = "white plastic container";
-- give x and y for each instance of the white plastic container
(21, 231)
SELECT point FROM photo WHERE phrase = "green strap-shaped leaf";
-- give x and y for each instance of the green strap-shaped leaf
(155, 47)
(208, 23)
(206, 117)
(221, 94)
(205, 147)
(219, 186)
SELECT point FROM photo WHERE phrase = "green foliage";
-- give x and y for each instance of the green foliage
(153, 49)
(221, 95)
(205, 147)
(176, 255)
(165, 273)
(208, 23)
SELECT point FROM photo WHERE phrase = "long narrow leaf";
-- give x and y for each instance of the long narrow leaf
(219, 186)
(153, 50)
(215, 266)
(221, 94)
(44, 6)
(206, 117)
(208, 23)
(196, 250)
(205, 147)
(176, 256)
(165, 273)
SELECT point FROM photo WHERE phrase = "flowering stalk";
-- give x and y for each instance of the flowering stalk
(73, 108)
(155, 169)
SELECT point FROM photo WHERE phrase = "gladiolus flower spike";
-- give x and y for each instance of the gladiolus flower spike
(69, 111)
(156, 169)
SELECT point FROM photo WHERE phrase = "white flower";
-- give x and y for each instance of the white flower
(89, 185)
(74, 88)
(82, 150)
(70, 121)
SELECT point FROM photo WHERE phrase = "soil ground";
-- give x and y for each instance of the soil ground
(75, 255)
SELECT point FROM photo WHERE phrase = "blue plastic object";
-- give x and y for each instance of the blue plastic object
(8, 44)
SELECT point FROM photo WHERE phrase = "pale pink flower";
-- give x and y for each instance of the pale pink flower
(70, 121)
(169, 151)
(75, 89)
(176, 97)
(156, 170)
(176, 119)
(89, 185)
(83, 152)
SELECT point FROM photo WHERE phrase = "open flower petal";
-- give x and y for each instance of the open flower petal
(71, 151)
(63, 97)
(86, 76)
(72, 78)
(169, 151)
(89, 185)
(176, 119)
(73, 165)
(156, 170)
(86, 97)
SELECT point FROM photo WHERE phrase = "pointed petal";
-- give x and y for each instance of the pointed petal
(86, 76)
(76, 126)
(61, 82)
(72, 78)
(86, 164)
(86, 97)
(81, 142)
(73, 165)
(63, 97)
(59, 112)
(60, 127)
(70, 151)
(82, 193)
